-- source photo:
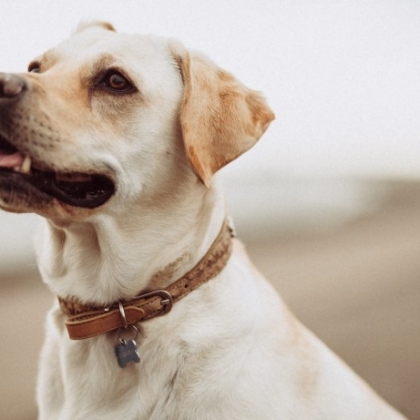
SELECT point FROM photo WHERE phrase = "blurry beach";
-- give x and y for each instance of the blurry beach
(343, 253)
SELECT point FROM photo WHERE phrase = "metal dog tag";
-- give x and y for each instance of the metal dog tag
(126, 352)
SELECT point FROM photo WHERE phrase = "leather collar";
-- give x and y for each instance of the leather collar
(86, 321)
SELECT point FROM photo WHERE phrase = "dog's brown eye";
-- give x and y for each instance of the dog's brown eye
(117, 82)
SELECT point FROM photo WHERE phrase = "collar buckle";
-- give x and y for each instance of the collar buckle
(166, 300)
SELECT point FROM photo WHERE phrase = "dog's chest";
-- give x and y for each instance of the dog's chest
(93, 380)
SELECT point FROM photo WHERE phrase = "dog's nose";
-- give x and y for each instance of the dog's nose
(11, 85)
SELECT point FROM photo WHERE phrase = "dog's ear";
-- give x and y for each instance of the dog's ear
(89, 24)
(220, 117)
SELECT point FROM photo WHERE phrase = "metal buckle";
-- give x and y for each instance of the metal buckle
(166, 300)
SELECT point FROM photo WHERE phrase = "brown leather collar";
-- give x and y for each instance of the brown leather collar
(86, 321)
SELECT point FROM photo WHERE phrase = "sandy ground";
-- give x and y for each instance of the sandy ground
(357, 287)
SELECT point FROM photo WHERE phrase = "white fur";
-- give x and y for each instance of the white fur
(230, 349)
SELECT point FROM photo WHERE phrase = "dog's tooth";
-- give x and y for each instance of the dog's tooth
(26, 165)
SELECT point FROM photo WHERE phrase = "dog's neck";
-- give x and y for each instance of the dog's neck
(111, 258)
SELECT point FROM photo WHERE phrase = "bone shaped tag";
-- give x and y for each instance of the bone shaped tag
(126, 352)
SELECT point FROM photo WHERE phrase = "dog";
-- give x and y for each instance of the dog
(116, 140)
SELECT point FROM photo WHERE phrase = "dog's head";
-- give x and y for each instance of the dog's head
(108, 117)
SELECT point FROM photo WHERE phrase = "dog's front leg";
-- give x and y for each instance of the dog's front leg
(50, 390)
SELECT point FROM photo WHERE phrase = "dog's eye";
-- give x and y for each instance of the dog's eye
(116, 82)
(34, 67)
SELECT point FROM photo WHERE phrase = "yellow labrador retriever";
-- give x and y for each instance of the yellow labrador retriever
(115, 139)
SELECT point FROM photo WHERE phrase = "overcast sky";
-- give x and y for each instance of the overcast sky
(343, 76)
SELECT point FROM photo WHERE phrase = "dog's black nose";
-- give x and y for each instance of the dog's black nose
(11, 85)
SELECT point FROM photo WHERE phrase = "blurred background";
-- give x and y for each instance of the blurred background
(327, 203)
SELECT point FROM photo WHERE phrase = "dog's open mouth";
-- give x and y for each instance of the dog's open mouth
(76, 189)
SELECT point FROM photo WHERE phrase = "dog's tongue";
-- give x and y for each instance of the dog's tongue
(11, 160)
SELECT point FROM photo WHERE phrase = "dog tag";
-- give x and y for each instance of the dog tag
(126, 352)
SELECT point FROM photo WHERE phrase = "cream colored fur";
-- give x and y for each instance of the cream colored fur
(230, 349)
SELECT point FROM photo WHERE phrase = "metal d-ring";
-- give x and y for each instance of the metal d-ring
(124, 318)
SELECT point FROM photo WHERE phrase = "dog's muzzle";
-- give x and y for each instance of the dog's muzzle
(24, 173)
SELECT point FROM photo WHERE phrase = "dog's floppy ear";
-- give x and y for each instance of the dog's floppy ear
(220, 117)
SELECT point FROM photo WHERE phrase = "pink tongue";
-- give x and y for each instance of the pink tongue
(10, 161)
